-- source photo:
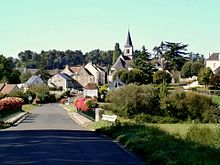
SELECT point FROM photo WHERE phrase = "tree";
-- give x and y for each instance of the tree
(161, 77)
(204, 76)
(190, 68)
(142, 62)
(25, 76)
(174, 54)
(215, 80)
(41, 90)
(116, 53)
(14, 77)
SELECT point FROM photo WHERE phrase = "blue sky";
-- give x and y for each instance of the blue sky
(89, 24)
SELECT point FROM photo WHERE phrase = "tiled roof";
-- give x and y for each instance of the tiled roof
(214, 56)
(1, 86)
(8, 88)
(91, 86)
(75, 69)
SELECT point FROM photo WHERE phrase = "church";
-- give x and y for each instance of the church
(124, 61)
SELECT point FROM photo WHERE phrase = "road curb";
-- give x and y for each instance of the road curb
(16, 119)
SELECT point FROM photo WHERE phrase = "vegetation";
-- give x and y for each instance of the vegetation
(156, 146)
(190, 69)
(204, 76)
(161, 77)
(28, 107)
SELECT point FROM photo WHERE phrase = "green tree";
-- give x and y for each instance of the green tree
(215, 80)
(174, 54)
(142, 62)
(25, 76)
(40, 90)
(196, 67)
(204, 76)
(14, 77)
(161, 77)
(186, 69)
(116, 53)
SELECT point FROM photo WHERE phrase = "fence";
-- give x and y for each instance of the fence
(89, 114)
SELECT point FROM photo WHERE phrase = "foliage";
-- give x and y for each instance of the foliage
(24, 95)
(204, 76)
(133, 99)
(215, 80)
(142, 62)
(146, 118)
(190, 69)
(41, 91)
(172, 53)
(11, 103)
(85, 104)
(161, 77)
(187, 105)
(156, 146)
(116, 53)
(25, 76)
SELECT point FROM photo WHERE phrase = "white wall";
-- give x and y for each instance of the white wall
(213, 64)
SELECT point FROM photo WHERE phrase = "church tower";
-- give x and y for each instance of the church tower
(128, 48)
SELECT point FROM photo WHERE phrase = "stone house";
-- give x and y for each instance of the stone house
(64, 81)
(8, 88)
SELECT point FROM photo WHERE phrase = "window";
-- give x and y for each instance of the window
(127, 51)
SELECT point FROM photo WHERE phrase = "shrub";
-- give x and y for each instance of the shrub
(186, 105)
(133, 99)
(161, 77)
(146, 118)
(11, 103)
(85, 104)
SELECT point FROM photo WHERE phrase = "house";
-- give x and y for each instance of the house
(213, 62)
(64, 81)
(117, 83)
(9, 88)
(82, 75)
(33, 80)
(68, 71)
(90, 90)
(98, 73)
(124, 61)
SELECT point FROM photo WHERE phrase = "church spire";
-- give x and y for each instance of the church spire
(128, 42)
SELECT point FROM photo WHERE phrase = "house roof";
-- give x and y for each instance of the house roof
(214, 56)
(91, 86)
(1, 86)
(116, 84)
(8, 88)
(75, 69)
(128, 41)
(65, 76)
(122, 62)
(31, 80)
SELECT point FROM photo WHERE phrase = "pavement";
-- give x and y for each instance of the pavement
(49, 136)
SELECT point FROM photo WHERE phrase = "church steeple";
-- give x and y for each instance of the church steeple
(128, 42)
(128, 49)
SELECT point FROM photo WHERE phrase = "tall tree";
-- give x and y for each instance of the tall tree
(116, 53)
(174, 54)
(204, 76)
(142, 61)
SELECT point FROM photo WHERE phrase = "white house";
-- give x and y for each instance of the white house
(90, 90)
(97, 72)
(213, 62)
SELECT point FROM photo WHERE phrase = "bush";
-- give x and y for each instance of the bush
(161, 77)
(133, 99)
(146, 118)
(187, 105)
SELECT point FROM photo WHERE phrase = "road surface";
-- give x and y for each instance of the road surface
(49, 136)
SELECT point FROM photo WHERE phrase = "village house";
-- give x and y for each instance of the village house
(8, 88)
(213, 62)
(90, 90)
(63, 81)
(33, 80)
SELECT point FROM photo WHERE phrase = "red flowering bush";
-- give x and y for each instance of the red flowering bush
(85, 104)
(11, 103)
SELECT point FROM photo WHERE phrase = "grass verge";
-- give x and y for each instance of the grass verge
(71, 107)
(28, 107)
(198, 144)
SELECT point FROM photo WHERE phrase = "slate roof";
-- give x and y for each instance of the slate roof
(128, 41)
(122, 62)
(65, 76)
(31, 80)
(214, 56)
(91, 86)
(116, 84)
(8, 88)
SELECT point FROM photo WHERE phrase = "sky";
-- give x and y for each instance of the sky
(98, 24)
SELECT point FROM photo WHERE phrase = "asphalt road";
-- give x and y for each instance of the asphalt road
(49, 136)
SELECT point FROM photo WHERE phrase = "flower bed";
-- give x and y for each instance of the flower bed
(10, 104)
(85, 106)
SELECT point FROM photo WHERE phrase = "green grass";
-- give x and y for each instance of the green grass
(28, 107)
(216, 99)
(70, 107)
(167, 143)
(98, 125)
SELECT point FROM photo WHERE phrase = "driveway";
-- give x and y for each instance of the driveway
(49, 136)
